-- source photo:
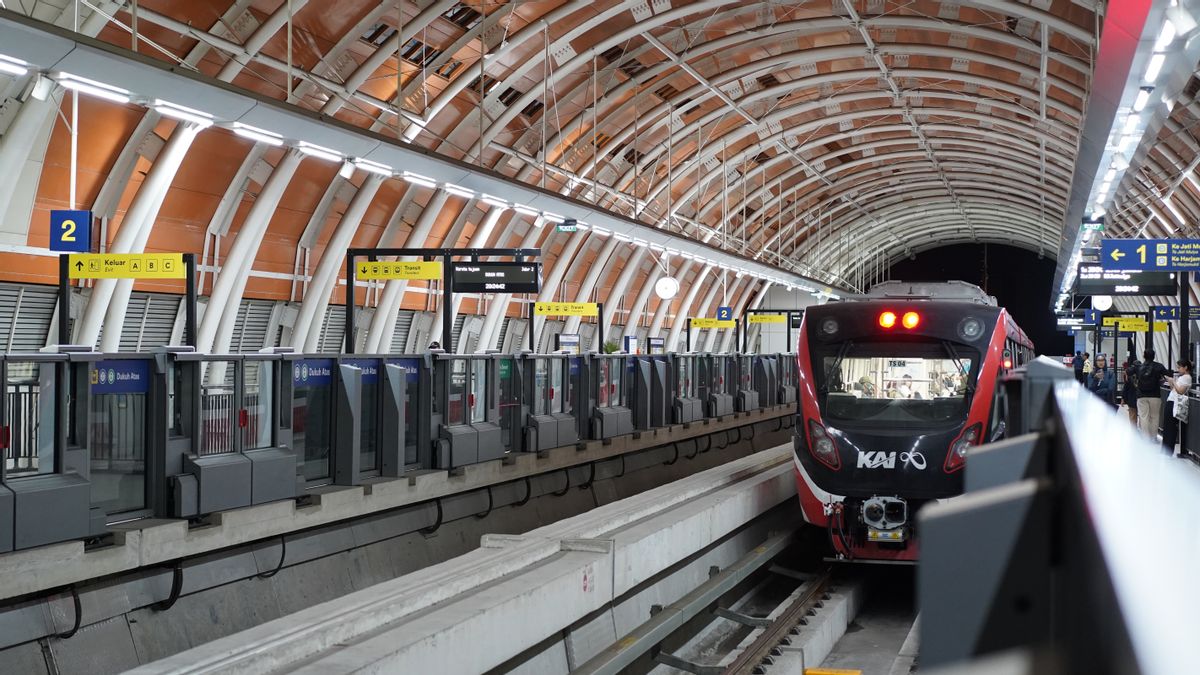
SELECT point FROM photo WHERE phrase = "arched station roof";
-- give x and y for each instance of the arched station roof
(824, 139)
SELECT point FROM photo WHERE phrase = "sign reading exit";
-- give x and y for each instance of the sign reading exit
(1150, 254)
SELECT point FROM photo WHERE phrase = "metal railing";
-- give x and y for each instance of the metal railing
(1073, 546)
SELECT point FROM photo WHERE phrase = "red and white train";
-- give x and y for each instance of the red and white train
(894, 386)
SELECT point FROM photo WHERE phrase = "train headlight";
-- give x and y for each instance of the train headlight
(830, 326)
(970, 329)
(822, 446)
(958, 449)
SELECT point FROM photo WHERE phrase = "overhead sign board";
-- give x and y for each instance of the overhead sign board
(127, 266)
(712, 323)
(71, 231)
(566, 309)
(1091, 316)
(768, 318)
(495, 277)
(1166, 312)
(1135, 324)
(1094, 225)
(1093, 279)
(398, 270)
(568, 225)
(1150, 254)
(725, 313)
(1111, 332)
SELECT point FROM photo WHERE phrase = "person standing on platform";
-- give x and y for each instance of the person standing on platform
(1129, 390)
(1150, 375)
(1104, 382)
(1078, 363)
(1087, 369)
(1176, 418)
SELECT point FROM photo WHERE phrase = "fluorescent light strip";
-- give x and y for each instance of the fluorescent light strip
(374, 167)
(184, 113)
(553, 217)
(1143, 97)
(1165, 37)
(1108, 177)
(582, 227)
(418, 179)
(256, 134)
(1131, 124)
(458, 190)
(494, 201)
(94, 88)
(1154, 68)
(640, 242)
(526, 211)
(14, 67)
(320, 152)
(622, 237)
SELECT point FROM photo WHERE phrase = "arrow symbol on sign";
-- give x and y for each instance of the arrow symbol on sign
(1117, 255)
(79, 266)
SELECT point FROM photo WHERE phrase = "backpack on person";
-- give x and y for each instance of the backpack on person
(1148, 376)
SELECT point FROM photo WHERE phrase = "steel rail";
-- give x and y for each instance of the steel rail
(772, 636)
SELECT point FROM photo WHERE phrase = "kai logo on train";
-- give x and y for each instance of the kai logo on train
(878, 459)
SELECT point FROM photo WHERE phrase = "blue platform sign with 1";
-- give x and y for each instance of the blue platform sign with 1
(71, 231)
(1166, 255)
(1166, 312)
(724, 314)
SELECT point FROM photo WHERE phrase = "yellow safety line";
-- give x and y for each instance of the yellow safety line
(832, 671)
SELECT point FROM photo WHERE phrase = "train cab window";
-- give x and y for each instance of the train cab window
(873, 383)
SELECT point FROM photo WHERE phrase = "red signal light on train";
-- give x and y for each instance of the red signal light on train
(887, 319)
(911, 320)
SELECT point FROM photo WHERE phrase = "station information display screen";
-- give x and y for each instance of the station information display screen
(1094, 280)
(495, 277)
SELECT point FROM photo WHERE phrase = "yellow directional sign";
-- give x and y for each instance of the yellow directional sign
(712, 323)
(127, 266)
(370, 271)
(1134, 324)
(1160, 327)
(566, 309)
(1110, 321)
(767, 318)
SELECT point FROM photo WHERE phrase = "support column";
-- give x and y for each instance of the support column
(216, 329)
(307, 331)
(110, 297)
(383, 324)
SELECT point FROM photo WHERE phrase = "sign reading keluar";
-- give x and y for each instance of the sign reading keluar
(127, 266)
(712, 323)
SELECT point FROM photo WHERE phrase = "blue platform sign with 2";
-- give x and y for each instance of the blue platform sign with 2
(1165, 255)
(71, 231)
(724, 314)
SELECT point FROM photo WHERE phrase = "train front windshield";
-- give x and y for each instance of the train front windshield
(896, 383)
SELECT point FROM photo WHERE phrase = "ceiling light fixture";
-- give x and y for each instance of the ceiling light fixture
(458, 190)
(11, 66)
(526, 211)
(374, 167)
(1143, 97)
(1154, 68)
(494, 201)
(319, 151)
(94, 88)
(418, 179)
(257, 135)
(183, 113)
